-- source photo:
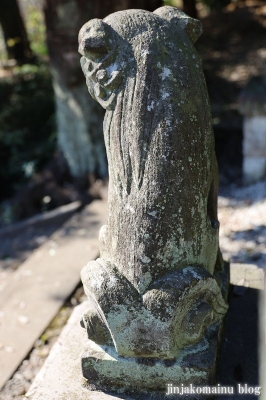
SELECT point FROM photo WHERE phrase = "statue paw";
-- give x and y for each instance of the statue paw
(95, 326)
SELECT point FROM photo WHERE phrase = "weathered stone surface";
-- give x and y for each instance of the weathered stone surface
(153, 286)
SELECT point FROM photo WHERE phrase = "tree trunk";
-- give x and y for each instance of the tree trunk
(105, 7)
(189, 7)
(79, 117)
(15, 35)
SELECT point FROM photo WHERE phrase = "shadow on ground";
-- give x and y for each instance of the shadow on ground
(238, 362)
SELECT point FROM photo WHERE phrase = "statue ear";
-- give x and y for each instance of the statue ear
(191, 26)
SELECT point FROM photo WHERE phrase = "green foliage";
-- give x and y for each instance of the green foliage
(36, 30)
(27, 126)
(173, 3)
(35, 27)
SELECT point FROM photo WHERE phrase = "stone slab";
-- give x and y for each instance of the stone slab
(254, 144)
(35, 292)
(254, 169)
(56, 380)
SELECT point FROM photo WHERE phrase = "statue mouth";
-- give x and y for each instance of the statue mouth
(103, 77)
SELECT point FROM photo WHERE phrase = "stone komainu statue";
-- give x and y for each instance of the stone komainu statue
(153, 291)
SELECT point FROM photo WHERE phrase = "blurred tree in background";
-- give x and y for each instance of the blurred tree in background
(15, 35)
(190, 6)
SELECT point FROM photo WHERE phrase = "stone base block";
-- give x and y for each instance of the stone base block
(254, 169)
(195, 365)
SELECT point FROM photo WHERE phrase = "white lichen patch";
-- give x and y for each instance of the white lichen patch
(145, 259)
(191, 270)
(165, 73)
(112, 283)
(112, 68)
(151, 106)
(131, 209)
(152, 213)
(96, 283)
(144, 53)
(165, 95)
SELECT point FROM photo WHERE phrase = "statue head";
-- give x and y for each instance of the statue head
(116, 48)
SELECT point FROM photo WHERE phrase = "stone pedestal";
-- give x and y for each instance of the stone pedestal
(195, 364)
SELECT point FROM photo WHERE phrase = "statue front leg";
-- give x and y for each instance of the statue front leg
(173, 313)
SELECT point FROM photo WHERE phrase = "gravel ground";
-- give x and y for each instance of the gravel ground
(242, 214)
